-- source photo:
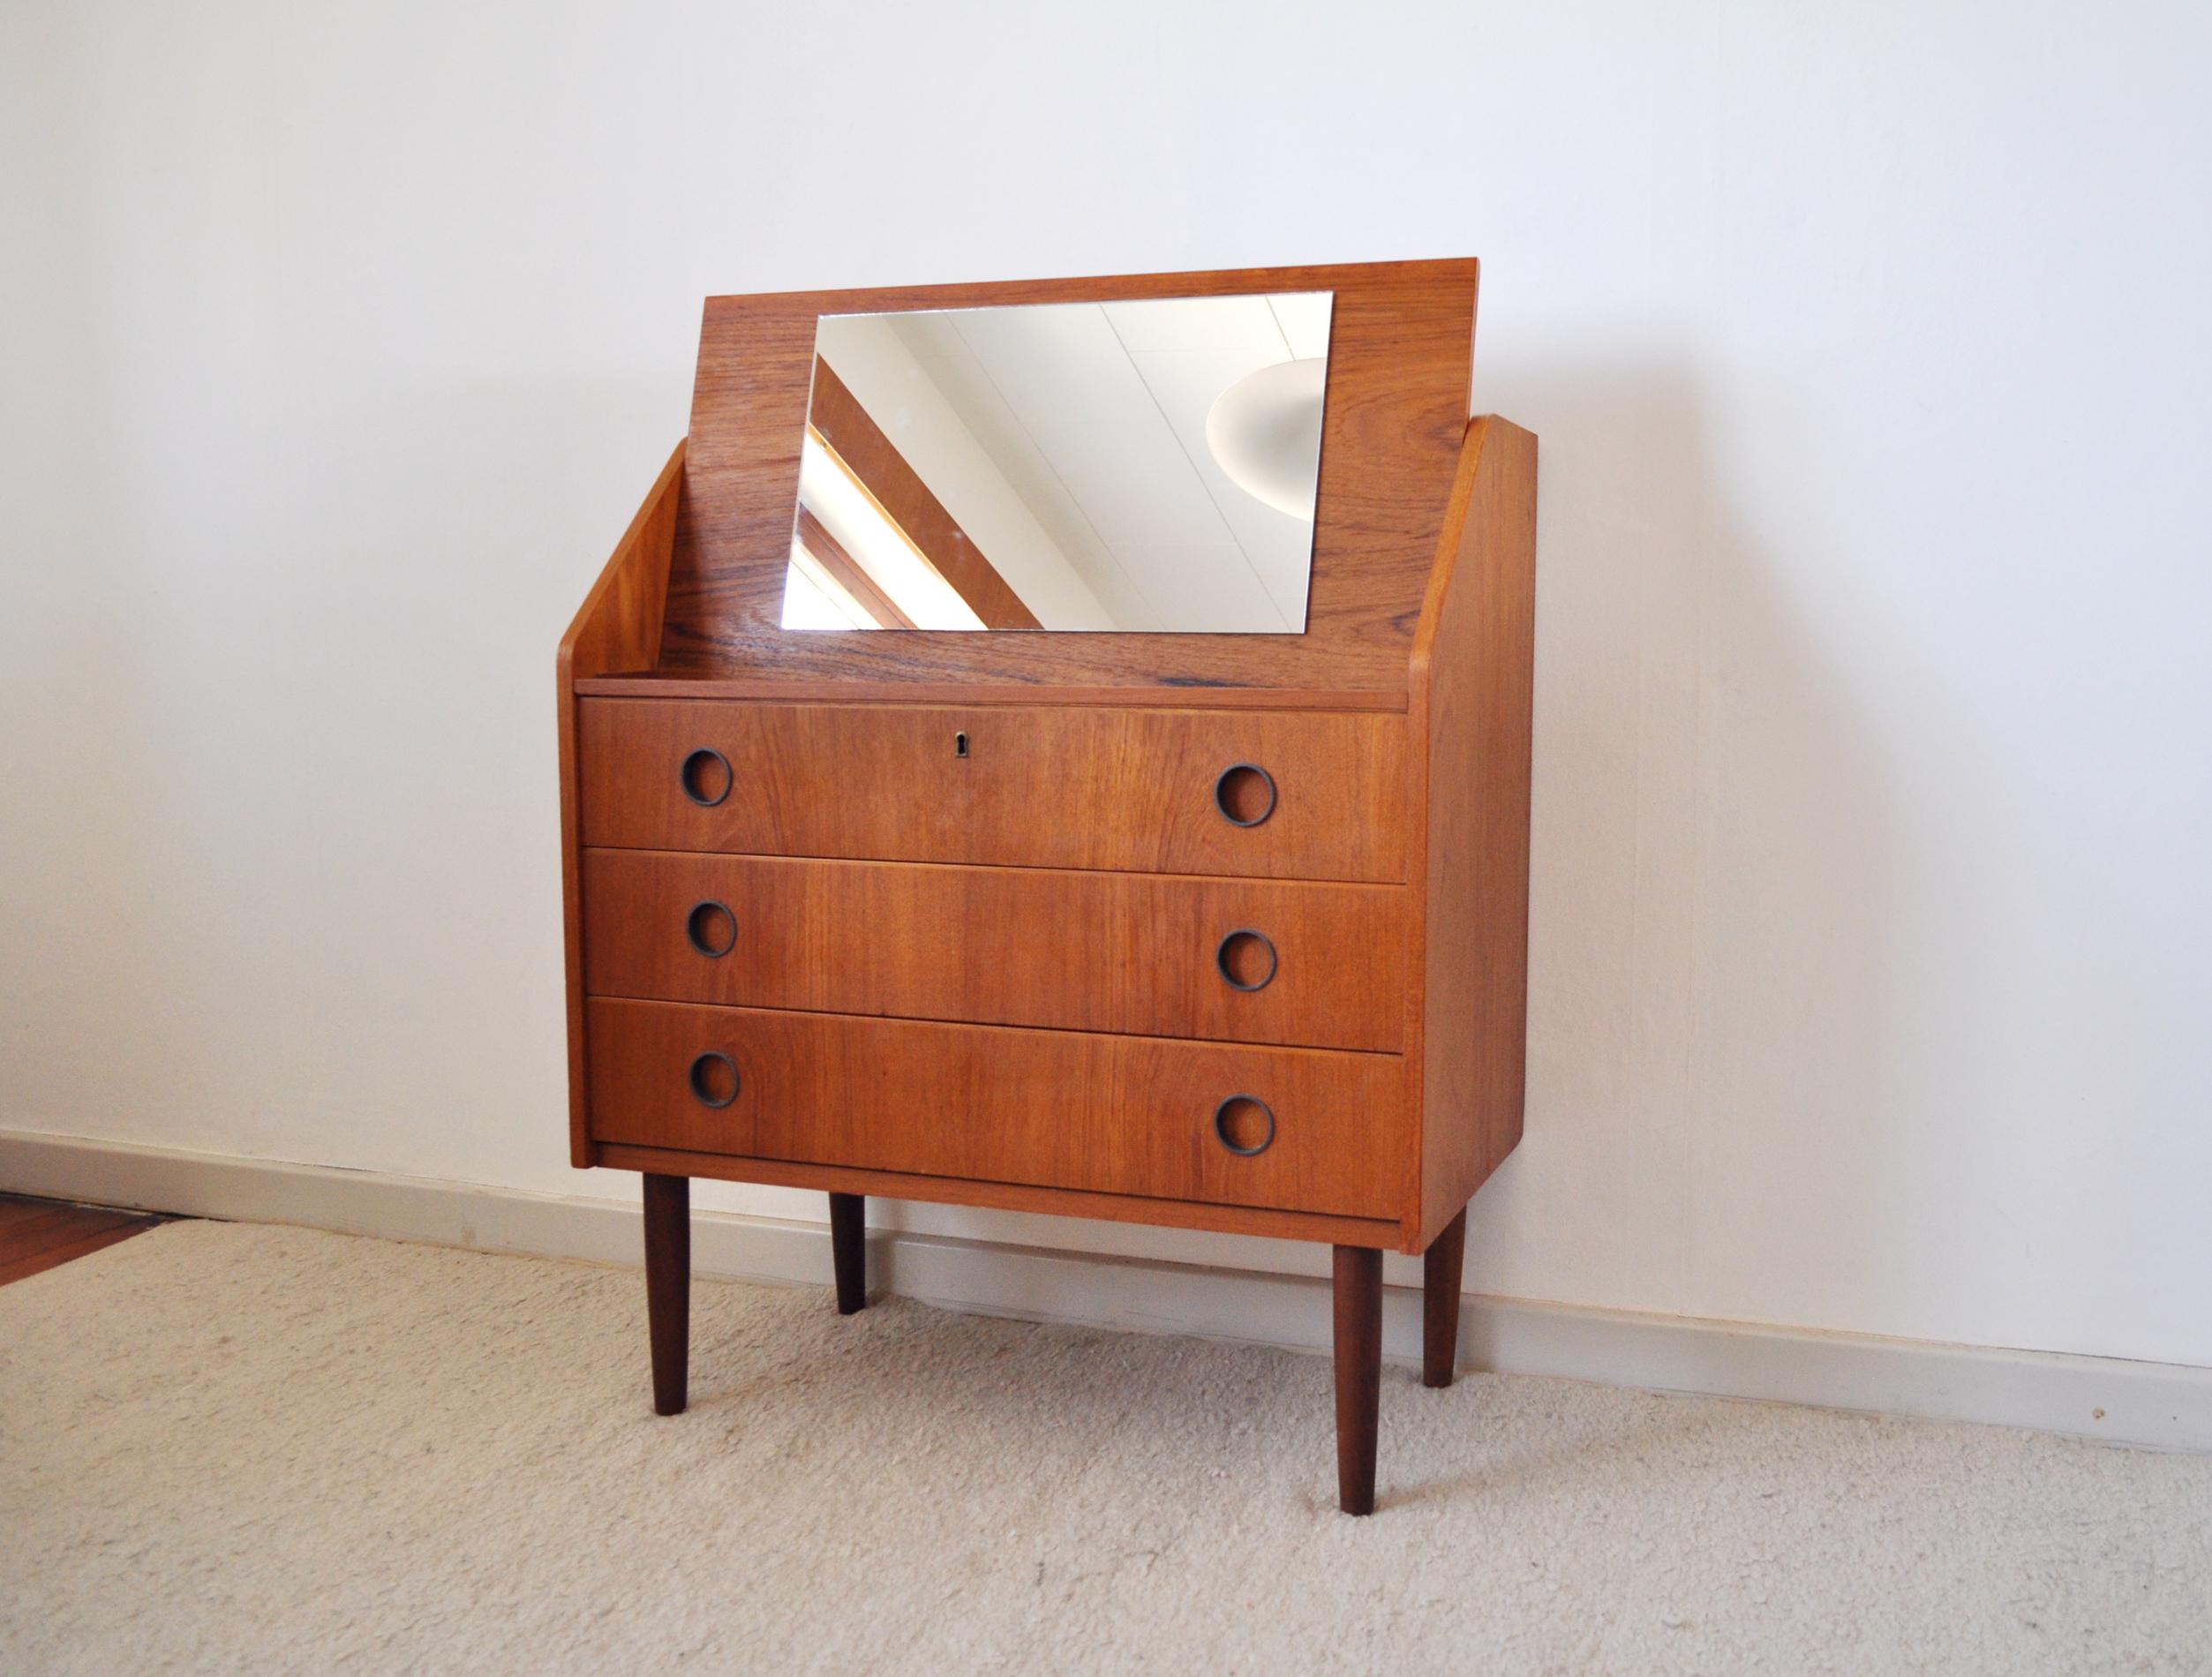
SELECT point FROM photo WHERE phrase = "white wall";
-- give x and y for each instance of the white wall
(1869, 354)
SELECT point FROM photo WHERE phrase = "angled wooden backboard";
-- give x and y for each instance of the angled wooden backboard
(1400, 355)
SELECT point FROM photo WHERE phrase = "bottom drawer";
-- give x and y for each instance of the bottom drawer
(1289, 1129)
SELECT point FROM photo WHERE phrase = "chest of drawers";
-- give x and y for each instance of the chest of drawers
(1222, 932)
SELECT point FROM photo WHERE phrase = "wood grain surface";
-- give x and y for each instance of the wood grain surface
(1442, 1267)
(1357, 1332)
(1401, 354)
(617, 628)
(1473, 682)
(1052, 787)
(1006, 1196)
(1092, 952)
(1122, 1115)
(677, 684)
(668, 1287)
(39, 1235)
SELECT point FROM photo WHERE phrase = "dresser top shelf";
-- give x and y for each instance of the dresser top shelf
(688, 684)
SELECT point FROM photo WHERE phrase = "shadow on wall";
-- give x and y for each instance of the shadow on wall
(1717, 1029)
(1711, 899)
(345, 850)
(1713, 1017)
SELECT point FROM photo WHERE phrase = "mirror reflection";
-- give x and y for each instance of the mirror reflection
(1100, 466)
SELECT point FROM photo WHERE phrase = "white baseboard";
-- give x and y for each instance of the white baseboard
(2160, 1405)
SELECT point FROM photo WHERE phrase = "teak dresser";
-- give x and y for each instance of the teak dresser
(1225, 931)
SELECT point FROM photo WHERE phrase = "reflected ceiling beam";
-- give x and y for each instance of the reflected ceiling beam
(843, 571)
(843, 425)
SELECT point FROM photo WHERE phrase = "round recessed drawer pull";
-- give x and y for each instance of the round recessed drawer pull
(710, 929)
(1245, 959)
(1244, 1125)
(705, 776)
(714, 1081)
(1245, 794)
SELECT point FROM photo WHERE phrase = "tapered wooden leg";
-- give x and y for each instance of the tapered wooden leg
(1358, 1374)
(1440, 1268)
(668, 1286)
(848, 1250)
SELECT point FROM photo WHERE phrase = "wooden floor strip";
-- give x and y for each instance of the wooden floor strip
(39, 1234)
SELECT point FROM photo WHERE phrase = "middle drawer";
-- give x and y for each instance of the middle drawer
(1316, 965)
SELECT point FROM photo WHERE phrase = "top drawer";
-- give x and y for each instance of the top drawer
(1282, 795)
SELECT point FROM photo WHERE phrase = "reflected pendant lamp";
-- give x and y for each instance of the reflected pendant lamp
(1265, 432)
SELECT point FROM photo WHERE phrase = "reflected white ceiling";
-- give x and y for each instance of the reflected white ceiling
(1094, 415)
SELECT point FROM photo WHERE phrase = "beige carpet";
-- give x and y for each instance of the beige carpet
(228, 1447)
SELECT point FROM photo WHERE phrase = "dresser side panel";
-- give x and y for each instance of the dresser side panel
(616, 630)
(1477, 695)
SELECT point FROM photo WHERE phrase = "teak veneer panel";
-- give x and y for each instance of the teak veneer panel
(1006, 1196)
(1401, 353)
(617, 628)
(675, 684)
(1124, 1115)
(1049, 787)
(1473, 682)
(1091, 951)
(983, 973)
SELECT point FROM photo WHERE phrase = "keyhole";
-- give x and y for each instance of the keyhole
(959, 745)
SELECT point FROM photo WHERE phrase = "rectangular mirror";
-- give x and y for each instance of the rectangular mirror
(1099, 466)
